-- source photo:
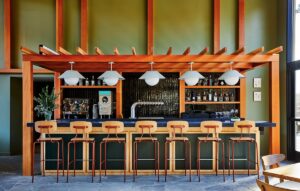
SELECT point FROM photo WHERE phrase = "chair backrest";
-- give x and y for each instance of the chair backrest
(146, 127)
(81, 127)
(271, 161)
(267, 187)
(177, 127)
(45, 126)
(211, 127)
(112, 127)
(244, 126)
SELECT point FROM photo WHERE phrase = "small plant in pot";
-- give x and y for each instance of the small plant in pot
(46, 103)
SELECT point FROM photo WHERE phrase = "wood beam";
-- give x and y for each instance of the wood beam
(119, 100)
(169, 52)
(7, 34)
(133, 51)
(81, 51)
(241, 23)
(98, 51)
(27, 136)
(222, 51)
(63, 51)
(25, 50)
(256, 51)
(243, 87)
(187, 51)
(116, 51)
(239, 51)
(274, 141)
(275, 50)
(204, 51)
(216, 39)
(59, 24)
(47, 51)
(57, 91)
(150, 36)
(181, 96)
(84, 25)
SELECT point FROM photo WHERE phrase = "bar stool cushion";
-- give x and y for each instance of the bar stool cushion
(50, 139)
(145, 139)
(241, 139)
(209, 139)
(107, 139)
(80, 139)
(177, 139)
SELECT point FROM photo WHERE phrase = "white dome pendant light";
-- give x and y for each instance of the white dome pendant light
(71, 77)
(231, 77)
(191, 77)
(111, 77)
(152, 77)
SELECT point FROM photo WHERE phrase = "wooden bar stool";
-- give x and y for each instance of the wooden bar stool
(216, 127)
(83, 128)
(112, 127)
(175, 127)
(241, 126)
(45, 128)
(146, 127)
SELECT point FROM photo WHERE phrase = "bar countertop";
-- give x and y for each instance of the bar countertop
(160, 122)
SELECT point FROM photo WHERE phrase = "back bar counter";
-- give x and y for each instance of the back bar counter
(146, 150)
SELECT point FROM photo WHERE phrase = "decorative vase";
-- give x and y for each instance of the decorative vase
(48, 116)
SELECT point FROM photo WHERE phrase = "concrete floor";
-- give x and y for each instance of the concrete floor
(11, 179)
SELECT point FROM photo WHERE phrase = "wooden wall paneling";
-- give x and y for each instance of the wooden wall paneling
(216, 40)
(27, 117)
(84, 25)
(150, 36)
(274, 141)
(59, 24)
(7, 34)
(241, 23)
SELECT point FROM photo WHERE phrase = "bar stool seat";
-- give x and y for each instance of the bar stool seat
(177, 139)
(237, 139)
(145, 139)
(209, 139)
(50, 139)
(108, 139)
(80, 139)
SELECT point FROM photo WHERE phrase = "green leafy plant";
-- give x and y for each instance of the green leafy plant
(46, 103)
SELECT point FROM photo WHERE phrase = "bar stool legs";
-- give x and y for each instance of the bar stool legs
(156, 158)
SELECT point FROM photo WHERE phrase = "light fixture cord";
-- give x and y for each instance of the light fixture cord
(151, 65)
(191, 66)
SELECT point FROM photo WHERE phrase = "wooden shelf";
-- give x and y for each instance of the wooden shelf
(211, 102)
(88, 87)
(211, 87)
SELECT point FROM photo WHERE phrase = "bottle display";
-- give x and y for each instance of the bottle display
(92, 81)
(87, 82)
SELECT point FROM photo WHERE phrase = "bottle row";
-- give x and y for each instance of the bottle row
(210, 95)
(91, 82)
(211, 80)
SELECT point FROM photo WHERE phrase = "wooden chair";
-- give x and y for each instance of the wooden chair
(83, 128)
(215, 127)
(272, 161)
(46, 128)
(267, 187)
(146, 127)
(244, 127)
(178, 127)
(112, 127)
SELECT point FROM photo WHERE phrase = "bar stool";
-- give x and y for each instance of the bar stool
(81, 127)
(47, 127)
(175, 127)
(146, 127)
(241, 126)
(112, 127)
(216, 127)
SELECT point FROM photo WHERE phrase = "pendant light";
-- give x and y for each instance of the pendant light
(151, 77)
(191, 77)
(111, 77)
(231, 77)
(71, 77)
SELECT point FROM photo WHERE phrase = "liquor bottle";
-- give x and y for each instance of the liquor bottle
(87, 83)
(80, 82)
(210, 80)
(93, 81)
(221, 96)
(216, 82)
(205, 82)
(193, 97)
(99, 82)
(222, 83)
(187, 97)
(199, 97)
(215, 97)
(204, 97)
(232, 97)
(209, 95)
(200, 82)
(226, 97)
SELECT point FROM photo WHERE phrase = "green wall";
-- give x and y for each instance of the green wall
(177, 23)
(1, 34)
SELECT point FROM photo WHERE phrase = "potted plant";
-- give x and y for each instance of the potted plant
(46, 103)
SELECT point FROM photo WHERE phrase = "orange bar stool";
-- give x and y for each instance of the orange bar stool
(215, 127)
(112, 127)
(178, 127)
(244, 127)
(83, 128)
(146, 127)
(46, 128)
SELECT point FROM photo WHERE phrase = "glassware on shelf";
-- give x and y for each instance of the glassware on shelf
(92, 81)
(99, 82)
(87, 82)
(215, 96)
(80, 82)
